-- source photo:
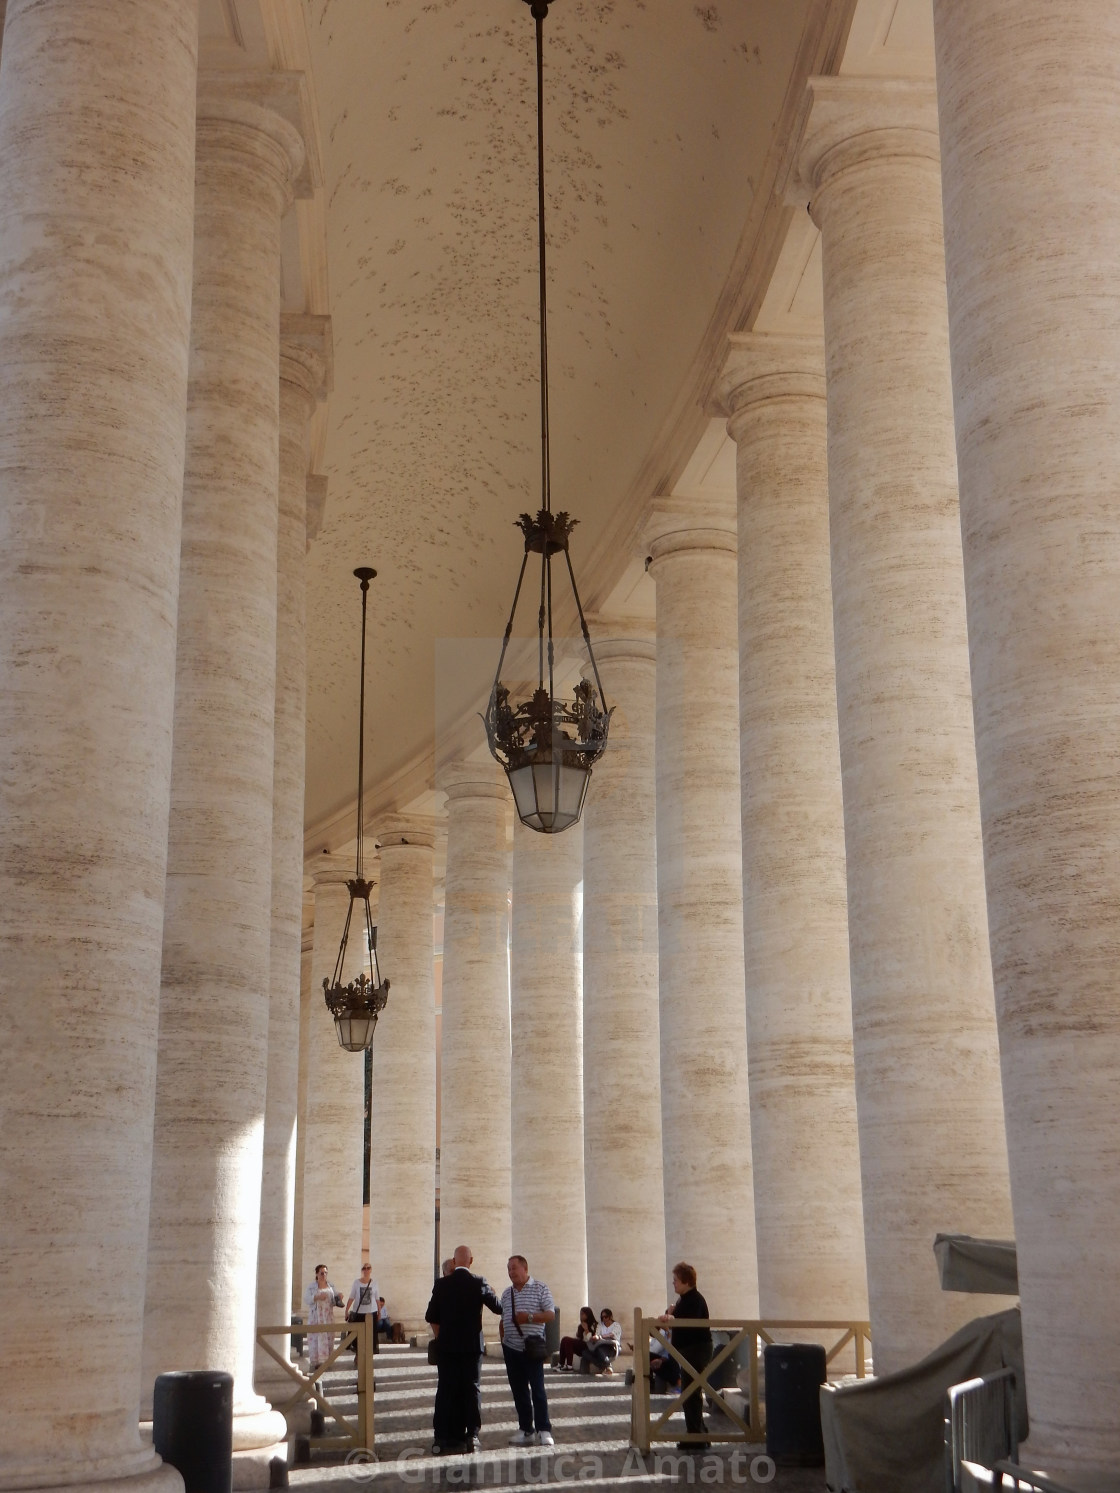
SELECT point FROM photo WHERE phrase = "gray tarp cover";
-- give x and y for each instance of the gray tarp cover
(886, 1435)
(983, 1265)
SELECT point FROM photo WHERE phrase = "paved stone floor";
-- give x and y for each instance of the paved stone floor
(591, 1423)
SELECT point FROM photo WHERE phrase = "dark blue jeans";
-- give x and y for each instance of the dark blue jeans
(526, 1381)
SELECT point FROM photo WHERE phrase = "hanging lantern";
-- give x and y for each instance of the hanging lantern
(547, 745)
(356, 1004)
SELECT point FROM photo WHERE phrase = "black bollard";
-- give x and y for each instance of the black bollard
(192, 1427)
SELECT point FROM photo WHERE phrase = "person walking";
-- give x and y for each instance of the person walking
(455, 1315)
(362, 1301)
(526, 1306)
(694, 1344)
(320, 1299)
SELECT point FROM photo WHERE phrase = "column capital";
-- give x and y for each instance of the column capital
(461, 780)
(316, 505)
(761, 367)
(677, 524)
(330, 870)
(236, 129)
(621, 638)
(853, 122)
(397, 830)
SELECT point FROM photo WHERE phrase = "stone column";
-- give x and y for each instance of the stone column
(932, 1144)
(1033, 255)
(621, 1048)
(213, 1031)
(402, 1221)
(546, 1101)
(795, 908)
(305, 996)
(304, 348)
(475, 1077)
(334, 1149)
(95, 286)
(705, 1119)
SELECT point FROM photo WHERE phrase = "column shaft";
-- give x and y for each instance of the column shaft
(705, 1118)
(334, 1153)
(932, 1143)
(213, 1034)
(403, 1125)
(1029, 107)
(306, 995)
(301, 379)
(546, 1100)
(475, 1072)
(805, 1144)
(623, 1183)
(95, 283)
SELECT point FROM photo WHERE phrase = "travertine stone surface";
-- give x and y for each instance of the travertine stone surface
(705, 1118)
(213, 1030)
(621, 1049)
(334, 1152)
(305, 1000)
(95, 286)
(932, 1145)
(302, 373)
(546, 1076)
(475, 1065)
(402, 1226)
(809, 1215)
(1030, 108)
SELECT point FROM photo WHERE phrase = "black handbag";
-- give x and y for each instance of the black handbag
(536, 1349)
(433, 1350)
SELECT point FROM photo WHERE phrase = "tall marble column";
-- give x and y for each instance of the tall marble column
(546, 1075)
(305, 997)
(402, 1222)
(1032, 230)
(809, 1216)
(213, 1029)
(475, 1074)
(95, 289)
(705, 1117)
(334, 1149)
(625, 1205)
(304, 348)
(932, 1146)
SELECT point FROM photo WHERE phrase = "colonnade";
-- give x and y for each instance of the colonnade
(849, 865)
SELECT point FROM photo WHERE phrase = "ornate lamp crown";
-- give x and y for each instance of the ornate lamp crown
(356, 1004)
(547, 746)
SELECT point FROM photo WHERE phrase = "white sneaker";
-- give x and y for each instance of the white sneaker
(524, 1438)
(544, 1438)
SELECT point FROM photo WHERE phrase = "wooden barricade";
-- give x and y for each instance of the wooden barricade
(758, 1333)
(359, 1433)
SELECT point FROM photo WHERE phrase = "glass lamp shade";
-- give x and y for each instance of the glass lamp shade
(355, 1028)
(549, 794)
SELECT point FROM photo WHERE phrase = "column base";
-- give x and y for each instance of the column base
(252, 1469)
(158, 1477)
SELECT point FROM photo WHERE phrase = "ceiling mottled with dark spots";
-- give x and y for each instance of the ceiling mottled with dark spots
(658, 118)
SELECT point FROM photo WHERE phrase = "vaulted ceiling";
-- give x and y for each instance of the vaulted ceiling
(664, 122)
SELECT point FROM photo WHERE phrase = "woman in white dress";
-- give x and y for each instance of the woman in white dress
(320, 1299)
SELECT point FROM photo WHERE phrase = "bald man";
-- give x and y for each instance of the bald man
(455, 1315)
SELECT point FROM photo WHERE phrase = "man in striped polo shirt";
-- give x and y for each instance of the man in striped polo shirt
(526, 1306)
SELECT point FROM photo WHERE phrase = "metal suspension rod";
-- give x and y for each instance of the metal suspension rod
(365, 575)
(509, 624)
(546, 466)
(583, 626)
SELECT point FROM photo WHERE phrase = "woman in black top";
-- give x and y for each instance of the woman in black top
(693, 1344)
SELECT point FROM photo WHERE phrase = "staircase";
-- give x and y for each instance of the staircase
(590, 1421)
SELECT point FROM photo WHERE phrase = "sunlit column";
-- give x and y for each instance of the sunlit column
(932, 1148)
(1029, 108)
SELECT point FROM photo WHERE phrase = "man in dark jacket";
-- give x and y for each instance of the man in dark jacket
(455, 1313)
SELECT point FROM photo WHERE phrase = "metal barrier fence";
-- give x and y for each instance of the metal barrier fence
(357, 1433)
(980, 1424)
(757, 1333)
